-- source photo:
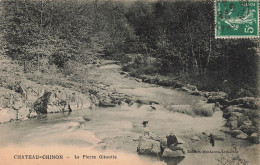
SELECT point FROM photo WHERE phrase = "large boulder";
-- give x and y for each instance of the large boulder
(13, 106)
(148, 146)
(168, 153)
(60, 100)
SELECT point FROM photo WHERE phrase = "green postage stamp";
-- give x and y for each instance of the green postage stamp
(236, 19)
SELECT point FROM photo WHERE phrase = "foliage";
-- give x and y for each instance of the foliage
(179, 35)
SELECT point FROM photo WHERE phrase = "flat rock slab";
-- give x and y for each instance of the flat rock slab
(168, 153)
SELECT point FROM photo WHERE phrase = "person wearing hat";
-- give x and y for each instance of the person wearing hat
(146, 130)
(148, 133)
(172, 142)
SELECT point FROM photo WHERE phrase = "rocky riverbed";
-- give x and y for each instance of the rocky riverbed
(114, 109)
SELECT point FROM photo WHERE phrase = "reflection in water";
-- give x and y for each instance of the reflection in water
(173, 161)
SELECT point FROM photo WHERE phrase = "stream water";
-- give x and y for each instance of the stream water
(117, 129)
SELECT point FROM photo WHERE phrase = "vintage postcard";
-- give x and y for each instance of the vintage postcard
(122, 82)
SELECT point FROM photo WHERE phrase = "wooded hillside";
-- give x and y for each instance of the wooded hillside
(172, 38)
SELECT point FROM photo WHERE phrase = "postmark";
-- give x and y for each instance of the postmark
(236, 19)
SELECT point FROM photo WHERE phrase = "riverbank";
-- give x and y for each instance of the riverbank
(27, 95)
(118, 127)
(241, 114)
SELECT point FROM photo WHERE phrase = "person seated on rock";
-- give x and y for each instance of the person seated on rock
(148, 133)
(146, 130)
(171, 140)
(172, 143)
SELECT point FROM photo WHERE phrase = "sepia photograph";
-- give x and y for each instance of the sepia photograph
(129, 82)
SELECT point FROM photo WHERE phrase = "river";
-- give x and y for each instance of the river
(116, 130)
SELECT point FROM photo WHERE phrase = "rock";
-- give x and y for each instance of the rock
(242, 136)
(32, 114)
(60, 100)
(205, 133)
(18, 103)
(24, 113)
(177, 84)
(196, 93)
(195, 138)
(220, 94)
(254, 135)
(125, 73)
(247, 123)
(220, 99)
(191, 87)
(247, 102)
(106, 104)
(236, 132)
(148, 147)
(7, 115)
(243, 92)
(232, 124)
(219, 137)
(138, 80)
(168, 153)
(166, 82)
(243, 119)
(248, 129)
(146, 102)
(86, 118)
(236, 114)
(40, 106)
(226, 130)
(20, 89)
(185, 89)
(227, 115)
(244, 127)
(254, 138)
(146, 80)
(232, 118)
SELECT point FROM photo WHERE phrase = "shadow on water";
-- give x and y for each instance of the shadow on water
(168, 161)
(172, 161)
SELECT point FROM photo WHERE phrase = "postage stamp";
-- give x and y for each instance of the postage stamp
(236, 18)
